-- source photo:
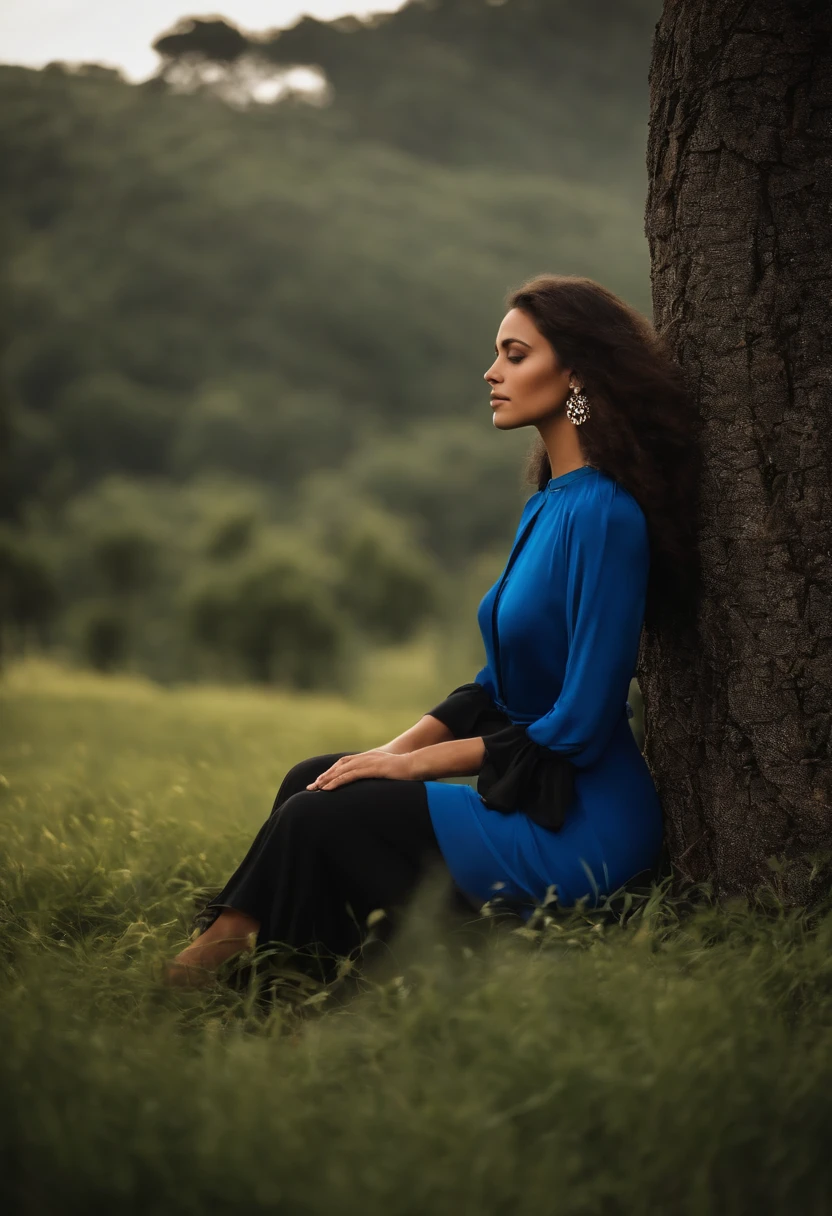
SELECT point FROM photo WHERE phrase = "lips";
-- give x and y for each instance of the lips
(496, 400)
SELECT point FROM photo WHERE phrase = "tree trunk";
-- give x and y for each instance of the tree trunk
(739, 224)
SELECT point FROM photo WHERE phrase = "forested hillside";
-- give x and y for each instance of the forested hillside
(537, 85)
(242, 359)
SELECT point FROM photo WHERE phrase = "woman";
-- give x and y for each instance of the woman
(565, 803)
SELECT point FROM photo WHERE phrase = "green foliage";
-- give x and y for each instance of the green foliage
(231, 535)
(204, 581)
(104, 422)
(525, 80)
(384, 578)
(29, 597)
(461, 485)
(347, 284)
(389, 589)
(661, 1054)
(272, 608)
(126, 559)
(103, 632)
(282, 303)
(253, 429)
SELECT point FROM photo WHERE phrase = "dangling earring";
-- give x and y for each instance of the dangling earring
(577, 406)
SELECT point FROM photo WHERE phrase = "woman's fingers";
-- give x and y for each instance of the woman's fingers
(352, 768)
(334, 770)
(374, 763)
(329, 783)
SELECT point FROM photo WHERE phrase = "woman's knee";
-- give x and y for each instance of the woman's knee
(302, 774)
(308, 815)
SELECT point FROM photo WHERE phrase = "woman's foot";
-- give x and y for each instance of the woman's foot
(231, 933)
(181, 975)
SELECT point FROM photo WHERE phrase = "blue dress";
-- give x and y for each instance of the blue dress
(560, 651)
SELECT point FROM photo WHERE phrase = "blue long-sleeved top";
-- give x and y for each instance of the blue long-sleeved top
(561, 629)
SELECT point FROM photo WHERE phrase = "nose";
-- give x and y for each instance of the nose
(489, 376)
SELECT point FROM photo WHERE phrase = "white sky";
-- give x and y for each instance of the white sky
(118, 33)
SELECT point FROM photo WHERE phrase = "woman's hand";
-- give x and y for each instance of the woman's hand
(456, 757)
(375, 763)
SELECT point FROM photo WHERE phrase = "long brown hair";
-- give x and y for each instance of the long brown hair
(643, 428)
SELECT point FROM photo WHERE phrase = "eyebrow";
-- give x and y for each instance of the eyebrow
(507, 342)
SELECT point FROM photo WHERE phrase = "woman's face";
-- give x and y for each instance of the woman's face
(527, 381)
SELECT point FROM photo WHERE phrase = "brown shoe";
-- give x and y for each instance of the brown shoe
(186, 975)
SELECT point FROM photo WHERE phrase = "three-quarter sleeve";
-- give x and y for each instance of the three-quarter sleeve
(519, 775)
(607, 567)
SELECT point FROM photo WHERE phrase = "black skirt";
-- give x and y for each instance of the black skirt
(325, 859)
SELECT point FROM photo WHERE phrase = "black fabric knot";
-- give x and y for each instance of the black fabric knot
(517, 774)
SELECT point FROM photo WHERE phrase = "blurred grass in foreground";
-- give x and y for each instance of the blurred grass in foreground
(676, 1060)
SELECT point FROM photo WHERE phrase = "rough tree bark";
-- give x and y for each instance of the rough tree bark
(739, 224)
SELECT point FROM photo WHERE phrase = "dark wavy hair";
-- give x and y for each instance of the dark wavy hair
(643, 427)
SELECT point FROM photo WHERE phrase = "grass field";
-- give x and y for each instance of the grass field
(674, 1060)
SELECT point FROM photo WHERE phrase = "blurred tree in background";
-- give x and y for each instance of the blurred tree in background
(243, 426)
(28, 592)
(272, 611)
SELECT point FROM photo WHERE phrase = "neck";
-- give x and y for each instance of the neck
(562, 444)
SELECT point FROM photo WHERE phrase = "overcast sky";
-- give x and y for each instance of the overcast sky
(118, 33)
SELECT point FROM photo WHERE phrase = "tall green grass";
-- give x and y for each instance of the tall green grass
(664, 1056)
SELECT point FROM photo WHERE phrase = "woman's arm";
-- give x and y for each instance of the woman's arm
(425, 733)
(456, 758)
(608, 562)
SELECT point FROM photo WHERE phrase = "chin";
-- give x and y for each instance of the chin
(503, 421)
